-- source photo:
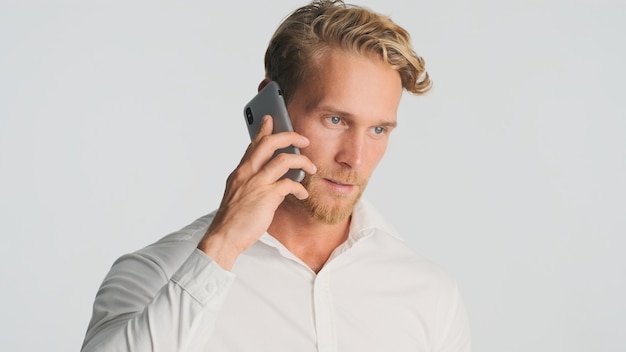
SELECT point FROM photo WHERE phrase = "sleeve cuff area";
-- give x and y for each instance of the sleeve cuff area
(204, 279)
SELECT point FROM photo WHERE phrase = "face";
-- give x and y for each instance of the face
(347, 111)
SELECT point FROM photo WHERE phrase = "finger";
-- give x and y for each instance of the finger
(264, 130)
(278, 166)
(261, 151)
(283, 139)
(268, 144)
(267, 125)
(287, 186)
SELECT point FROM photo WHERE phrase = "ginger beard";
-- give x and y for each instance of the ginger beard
(322, 204)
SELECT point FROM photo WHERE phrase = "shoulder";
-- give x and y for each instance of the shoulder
(383, 245)
(169, 252)
(395, 254)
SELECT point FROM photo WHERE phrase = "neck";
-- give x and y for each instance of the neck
(309, 239)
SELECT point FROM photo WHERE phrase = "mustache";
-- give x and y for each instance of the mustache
(341, 176)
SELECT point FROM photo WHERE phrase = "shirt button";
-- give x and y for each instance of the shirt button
(211, 288)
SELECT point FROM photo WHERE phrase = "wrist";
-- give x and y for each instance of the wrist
(219, 249)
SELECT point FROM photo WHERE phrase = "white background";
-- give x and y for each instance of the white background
(120, 120)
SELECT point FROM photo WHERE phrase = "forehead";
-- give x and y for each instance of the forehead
(352, 83)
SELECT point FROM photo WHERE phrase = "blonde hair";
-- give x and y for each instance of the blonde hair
(309, 32)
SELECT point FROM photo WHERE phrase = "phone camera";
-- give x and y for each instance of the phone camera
(249, 116)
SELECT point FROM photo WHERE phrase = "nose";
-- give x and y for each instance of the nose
(351, 150)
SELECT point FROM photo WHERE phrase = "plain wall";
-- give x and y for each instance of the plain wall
(120, 120)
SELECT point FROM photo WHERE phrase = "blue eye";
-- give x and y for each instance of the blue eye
(379, 130)
(335, 120)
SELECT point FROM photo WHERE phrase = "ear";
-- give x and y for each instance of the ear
(264, 82)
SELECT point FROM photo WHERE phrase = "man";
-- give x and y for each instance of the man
(288, 266)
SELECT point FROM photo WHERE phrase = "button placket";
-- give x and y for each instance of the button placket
(324, 313)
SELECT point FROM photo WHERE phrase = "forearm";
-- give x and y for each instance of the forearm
(139, 309)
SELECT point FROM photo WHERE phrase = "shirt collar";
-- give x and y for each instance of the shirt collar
(366, 220)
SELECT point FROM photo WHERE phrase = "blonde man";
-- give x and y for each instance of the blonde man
(289, 266)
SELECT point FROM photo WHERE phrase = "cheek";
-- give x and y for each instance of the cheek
(322, 148)
(376, 153)
(323, 142)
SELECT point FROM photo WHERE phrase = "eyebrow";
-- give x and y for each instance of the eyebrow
(333, 110)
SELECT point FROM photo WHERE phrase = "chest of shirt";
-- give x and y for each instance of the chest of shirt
(354, 304)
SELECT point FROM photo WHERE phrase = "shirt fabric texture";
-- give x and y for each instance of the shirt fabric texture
(373, 294)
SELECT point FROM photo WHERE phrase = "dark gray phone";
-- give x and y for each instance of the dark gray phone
(269, 101)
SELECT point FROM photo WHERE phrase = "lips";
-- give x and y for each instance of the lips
(338, 182)
(339, 188)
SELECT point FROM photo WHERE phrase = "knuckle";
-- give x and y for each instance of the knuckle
(263, 138)
(285, 185)
(282, 158)
(235, 176)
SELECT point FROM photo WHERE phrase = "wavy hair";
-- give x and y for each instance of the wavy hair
(309, 32)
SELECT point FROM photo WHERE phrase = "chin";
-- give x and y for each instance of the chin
(330, 209)
(326, 206)
(330, 213)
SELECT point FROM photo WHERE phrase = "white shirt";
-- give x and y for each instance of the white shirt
(373, 294)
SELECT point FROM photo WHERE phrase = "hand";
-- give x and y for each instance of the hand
(254, 190)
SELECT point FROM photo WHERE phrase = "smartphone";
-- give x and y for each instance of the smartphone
(269, 101)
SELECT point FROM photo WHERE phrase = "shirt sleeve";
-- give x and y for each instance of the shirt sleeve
(139, 308)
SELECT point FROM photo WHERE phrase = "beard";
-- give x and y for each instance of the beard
(331, 208)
